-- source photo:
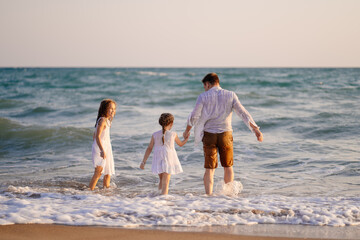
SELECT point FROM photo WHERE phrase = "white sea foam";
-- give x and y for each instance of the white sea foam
(75, 207)
(153, 73)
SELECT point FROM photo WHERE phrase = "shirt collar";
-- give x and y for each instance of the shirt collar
(215, 88)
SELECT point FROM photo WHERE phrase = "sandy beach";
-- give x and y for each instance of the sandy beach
(47, 231)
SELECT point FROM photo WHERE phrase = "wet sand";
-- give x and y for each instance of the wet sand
(54, 232)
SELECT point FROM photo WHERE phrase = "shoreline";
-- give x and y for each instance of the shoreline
(54, 231)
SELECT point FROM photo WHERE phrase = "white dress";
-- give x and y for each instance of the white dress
(165, 158)
(108, 163)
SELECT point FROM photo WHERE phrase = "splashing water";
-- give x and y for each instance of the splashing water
(231, 189)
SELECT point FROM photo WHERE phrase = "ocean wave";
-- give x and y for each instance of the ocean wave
(233, 75)
(16, 136)
(282, 84)
(35, 111)
(170, 101)
(283, 75)
(150, 73)
(283, 164)
(10, 103)
(324, 131)
(190, 74)
(330, 132)
(327, 115)
(273, 123)
(271, 103)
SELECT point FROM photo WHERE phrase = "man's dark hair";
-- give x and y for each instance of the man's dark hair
(211, 78)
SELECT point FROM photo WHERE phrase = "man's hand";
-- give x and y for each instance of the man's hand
(257, 132)
(186, 134)
(259, 135)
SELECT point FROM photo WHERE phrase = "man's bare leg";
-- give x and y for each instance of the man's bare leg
(209, 180)
(228, 174)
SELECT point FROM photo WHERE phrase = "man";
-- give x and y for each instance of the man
(211, 119)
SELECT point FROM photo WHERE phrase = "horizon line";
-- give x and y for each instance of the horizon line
(180, 67)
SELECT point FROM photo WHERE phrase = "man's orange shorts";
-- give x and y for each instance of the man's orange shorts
(214, 142)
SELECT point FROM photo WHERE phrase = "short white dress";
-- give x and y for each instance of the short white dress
(165, 158)
(108, 163)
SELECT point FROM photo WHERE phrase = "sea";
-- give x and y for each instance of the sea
(304, 175)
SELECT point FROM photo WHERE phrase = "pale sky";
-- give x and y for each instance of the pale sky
(179, 33)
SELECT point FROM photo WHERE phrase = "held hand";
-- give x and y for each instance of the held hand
(142, 165)
(186, 137)
(186, 134)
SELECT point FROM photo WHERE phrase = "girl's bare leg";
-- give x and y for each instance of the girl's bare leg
(106, 181)
(165, 183)
(95, 178)
(160, 182)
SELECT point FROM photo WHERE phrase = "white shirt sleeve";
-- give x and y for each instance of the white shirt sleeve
(196, 113)
(242, 112)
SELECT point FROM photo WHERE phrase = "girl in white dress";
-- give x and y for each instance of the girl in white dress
(165, 160)
(102, 157)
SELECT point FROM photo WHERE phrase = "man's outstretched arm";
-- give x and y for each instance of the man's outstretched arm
(246, 117)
